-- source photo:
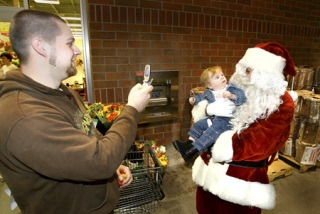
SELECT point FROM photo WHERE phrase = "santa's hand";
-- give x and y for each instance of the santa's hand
(222, 150)
(223, 108)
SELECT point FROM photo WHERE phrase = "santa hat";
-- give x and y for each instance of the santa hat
(270, 57)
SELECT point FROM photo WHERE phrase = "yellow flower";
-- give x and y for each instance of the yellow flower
(105, 113)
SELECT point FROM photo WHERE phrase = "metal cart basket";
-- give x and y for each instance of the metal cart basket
(145, 192)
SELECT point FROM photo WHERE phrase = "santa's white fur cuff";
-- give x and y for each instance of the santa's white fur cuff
(294, 95)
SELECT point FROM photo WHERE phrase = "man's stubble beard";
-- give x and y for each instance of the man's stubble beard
(71, 71)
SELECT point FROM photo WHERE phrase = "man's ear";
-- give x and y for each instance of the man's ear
(40, 46)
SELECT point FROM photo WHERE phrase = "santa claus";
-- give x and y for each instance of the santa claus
(232, 176)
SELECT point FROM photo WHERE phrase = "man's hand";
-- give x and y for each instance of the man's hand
(223, 108)
(124, 176)
(139, 96)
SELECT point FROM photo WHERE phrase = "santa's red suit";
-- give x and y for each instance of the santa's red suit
(232, 177)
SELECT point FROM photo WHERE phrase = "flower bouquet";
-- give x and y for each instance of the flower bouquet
(161, 154)
(105, 114)
(159, 151)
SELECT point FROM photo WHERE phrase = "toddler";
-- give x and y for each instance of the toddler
(205, 131)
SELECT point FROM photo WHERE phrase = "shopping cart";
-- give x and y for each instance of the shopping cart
(145, 192)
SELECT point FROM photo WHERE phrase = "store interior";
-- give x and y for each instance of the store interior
(69, 10)
(297, 183)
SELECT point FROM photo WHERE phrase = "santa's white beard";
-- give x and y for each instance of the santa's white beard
(260, 103)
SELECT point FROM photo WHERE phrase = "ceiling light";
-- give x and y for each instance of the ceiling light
(47, 1)
(76, 29)
(72, 18)
(74, 25)
(77, 35)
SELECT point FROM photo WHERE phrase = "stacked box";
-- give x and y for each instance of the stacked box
(310, 133)
(307, 153)
(310, 109)
(303, 79)
(287, 148)
(303, 143)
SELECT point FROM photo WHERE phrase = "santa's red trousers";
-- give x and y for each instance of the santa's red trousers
(208, 203)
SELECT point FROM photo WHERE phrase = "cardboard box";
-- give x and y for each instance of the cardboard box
(307, 154)
(294, 127)
(287, 148)
(310, 109)
(310, 133)
(303, 131)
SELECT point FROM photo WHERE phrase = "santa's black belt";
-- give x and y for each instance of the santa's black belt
(250, 164)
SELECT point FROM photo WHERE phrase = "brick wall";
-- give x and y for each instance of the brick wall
(189, 36)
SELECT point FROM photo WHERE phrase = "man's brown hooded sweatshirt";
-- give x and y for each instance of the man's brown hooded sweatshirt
(51, 156)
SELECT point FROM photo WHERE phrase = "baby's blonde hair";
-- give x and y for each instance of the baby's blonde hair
(204, 78)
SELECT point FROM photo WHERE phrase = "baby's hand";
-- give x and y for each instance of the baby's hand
(226, 94)
(192, 100)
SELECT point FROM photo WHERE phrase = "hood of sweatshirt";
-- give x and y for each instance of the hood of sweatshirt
(16, 80)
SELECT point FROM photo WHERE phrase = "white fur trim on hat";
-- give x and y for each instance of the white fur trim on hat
(264, 61)
(213, 178)
(222, 150)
